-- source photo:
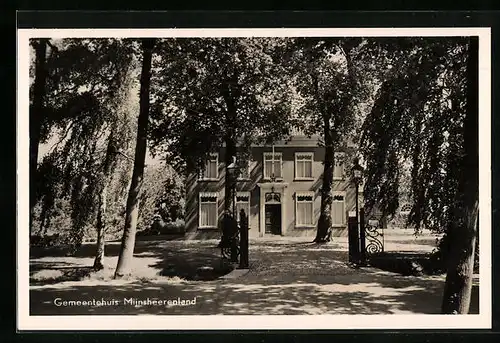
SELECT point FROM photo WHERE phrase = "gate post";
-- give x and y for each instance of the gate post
(233, 242)
(353, 237)
(243, 240)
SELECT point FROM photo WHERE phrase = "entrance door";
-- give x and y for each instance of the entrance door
(273, 219)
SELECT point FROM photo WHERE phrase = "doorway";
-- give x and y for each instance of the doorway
(273, 219)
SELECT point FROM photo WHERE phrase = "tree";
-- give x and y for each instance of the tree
(87, 86)
(103, 180)
(328, 84)
(37, 111)
(132, 211)
(463, 230)
(217, 92)
(425, 116)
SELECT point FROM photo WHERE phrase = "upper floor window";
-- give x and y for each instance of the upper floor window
(211, 168)
(303, 165)
(244, 172)
(338, 169)
(273, 165)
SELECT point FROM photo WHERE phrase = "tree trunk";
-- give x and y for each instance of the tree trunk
(463, 231)
(101, 212)
(101, 229)
(36, 116)
(132, 211)
(324, 231)
(230, 140)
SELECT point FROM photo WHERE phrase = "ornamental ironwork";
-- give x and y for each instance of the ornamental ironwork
(273, 197)
(374, 236)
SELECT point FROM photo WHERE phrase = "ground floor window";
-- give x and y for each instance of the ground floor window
(304, 209)
(242, 203)
(338, 209)
(208, 210)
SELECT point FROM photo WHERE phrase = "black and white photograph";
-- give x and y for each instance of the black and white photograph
(334, 175)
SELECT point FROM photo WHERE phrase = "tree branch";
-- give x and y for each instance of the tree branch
(64, 137)
(119, 152)
(52, 46)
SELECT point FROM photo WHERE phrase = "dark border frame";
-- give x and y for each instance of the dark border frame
(245, 19)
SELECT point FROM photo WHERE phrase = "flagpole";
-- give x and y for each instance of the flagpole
(272, 168)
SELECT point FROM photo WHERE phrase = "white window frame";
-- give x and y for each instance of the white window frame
(208, 194)
(342, 155)
(216, 178)
(343, 194)
(247, 209)
(307, 178)
(308, 193)
(264, 155)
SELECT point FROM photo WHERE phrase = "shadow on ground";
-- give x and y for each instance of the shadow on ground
(284, 278)
(182, 259)
(112, 247)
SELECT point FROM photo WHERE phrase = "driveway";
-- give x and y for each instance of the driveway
(286, 276)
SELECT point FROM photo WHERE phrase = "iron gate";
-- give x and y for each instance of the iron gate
(365, 239)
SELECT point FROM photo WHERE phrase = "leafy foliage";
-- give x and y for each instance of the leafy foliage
(162, 193)
(215, 91)
(86, 101)
(416, 123)
(331, 79)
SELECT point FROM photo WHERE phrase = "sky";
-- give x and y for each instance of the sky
(45, 148)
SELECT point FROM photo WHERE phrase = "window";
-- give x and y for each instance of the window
(242, 202)
(208, 210)
(304, 209)
(272, 164)
(338, 169)
(405, 209)
(303, 165)
(244, 171)
(338, 209)
(211, 170)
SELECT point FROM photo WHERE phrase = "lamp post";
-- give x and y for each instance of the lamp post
(232, 174)
(357, 176)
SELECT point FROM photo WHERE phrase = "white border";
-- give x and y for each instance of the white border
(27, 322)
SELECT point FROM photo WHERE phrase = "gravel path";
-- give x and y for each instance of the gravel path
(286, 276)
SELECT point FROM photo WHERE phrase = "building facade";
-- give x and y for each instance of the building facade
(287, 204)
